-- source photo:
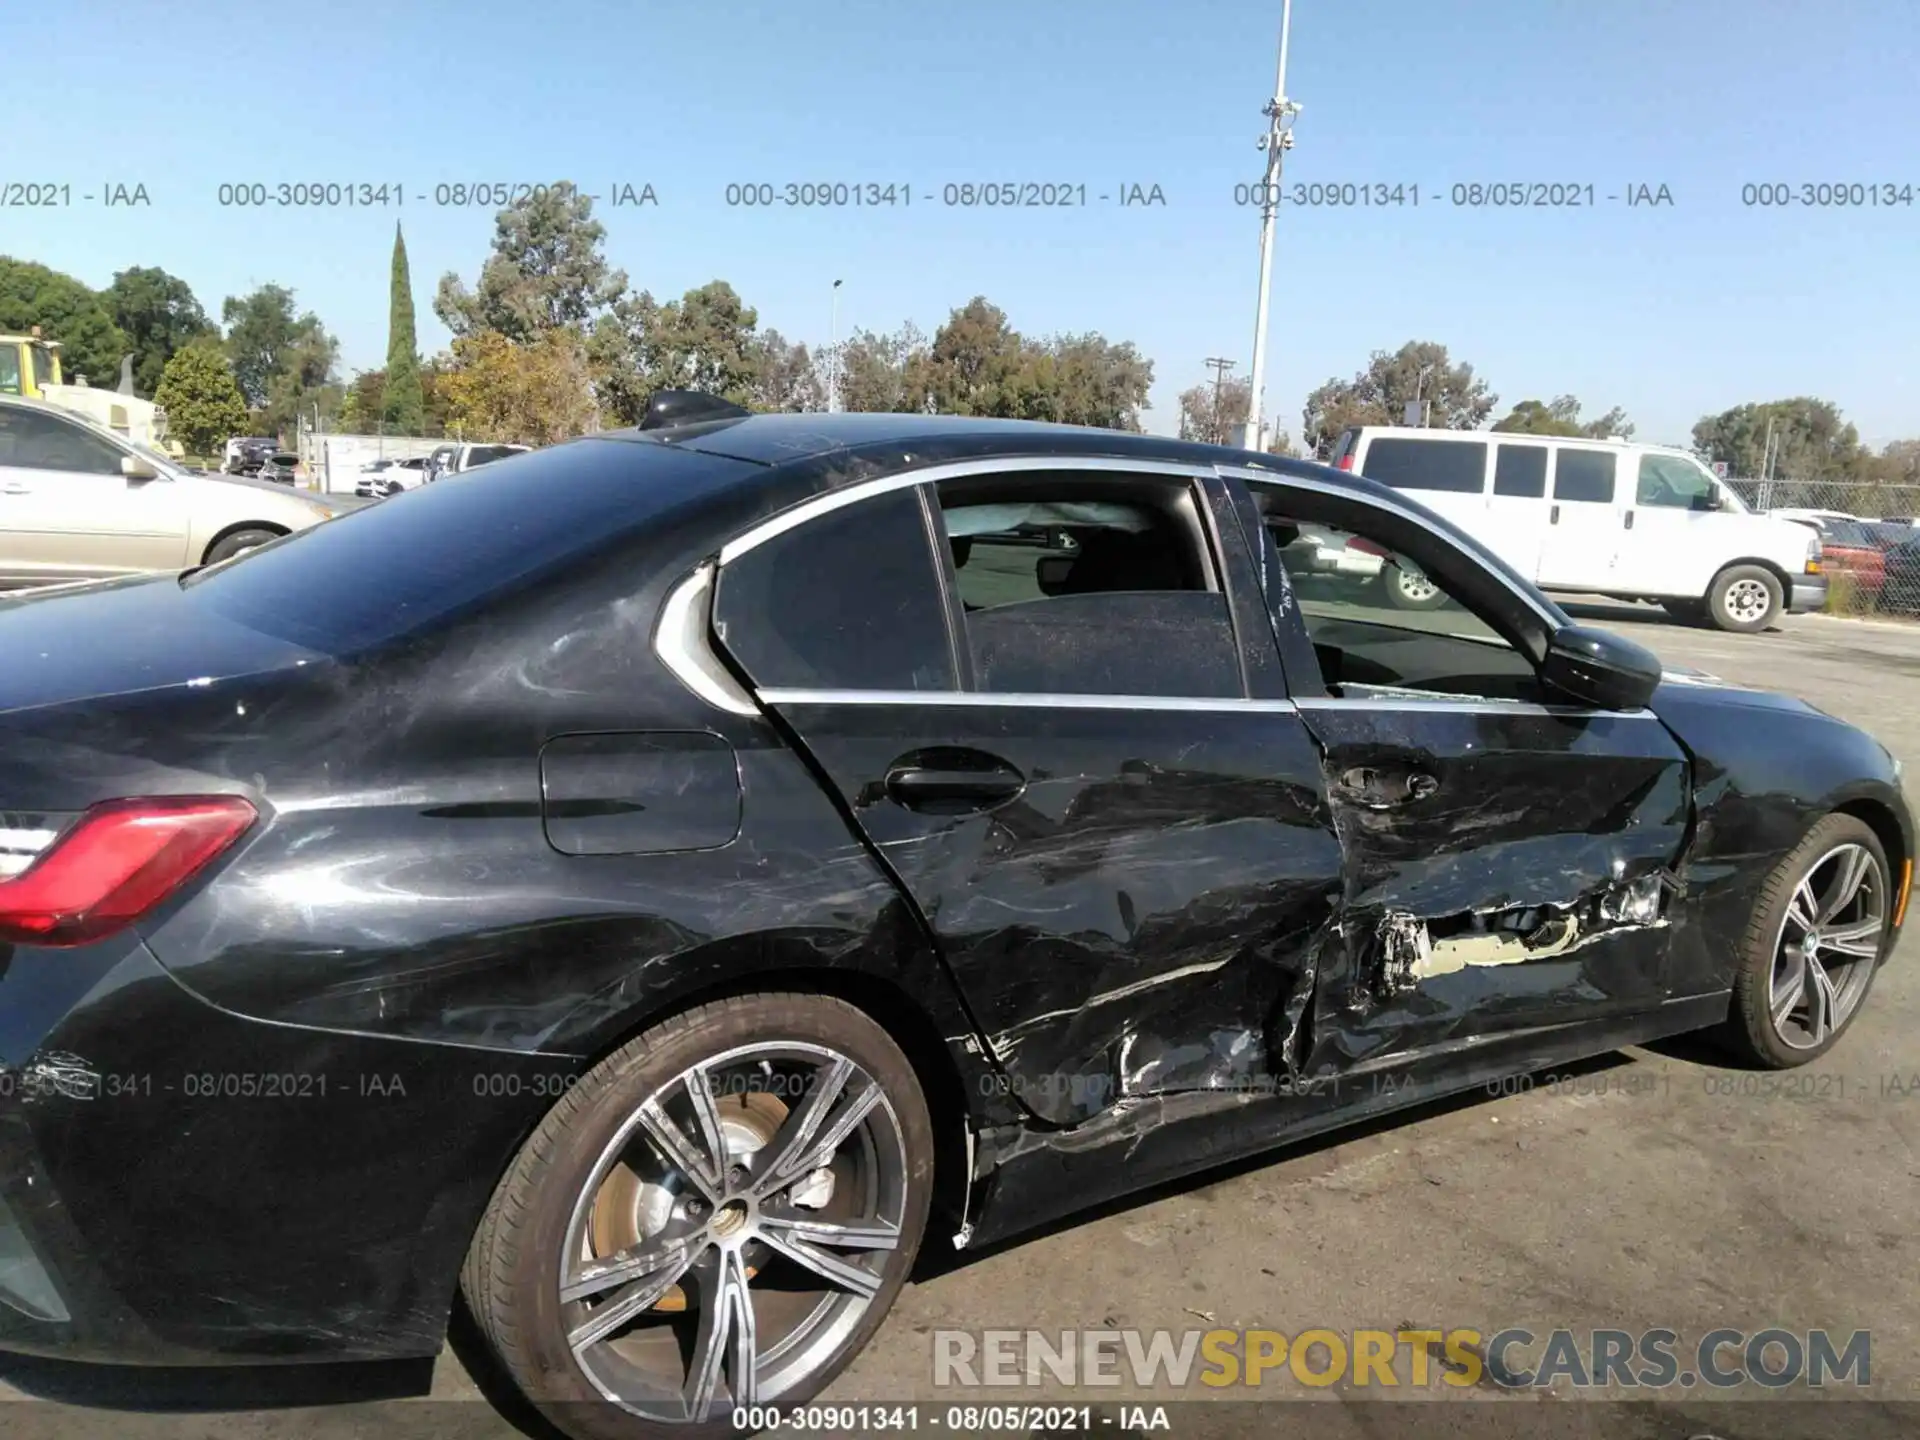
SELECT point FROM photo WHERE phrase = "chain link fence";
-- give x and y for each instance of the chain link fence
(1871, 542)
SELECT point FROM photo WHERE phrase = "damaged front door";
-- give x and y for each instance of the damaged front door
(1508, 857)
(1507, 868)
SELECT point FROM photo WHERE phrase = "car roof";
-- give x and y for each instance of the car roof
(849, 447)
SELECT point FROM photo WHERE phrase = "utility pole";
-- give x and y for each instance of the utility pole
(1276, 142)
(833, 351)
(1217, 432)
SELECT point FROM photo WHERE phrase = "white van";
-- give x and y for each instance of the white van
(1603, 517)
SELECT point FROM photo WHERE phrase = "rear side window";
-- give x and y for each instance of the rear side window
(1584, 475)
(851, 600)
(1520, 470)
(1071, 589)
(1457, 465)
(396, 568)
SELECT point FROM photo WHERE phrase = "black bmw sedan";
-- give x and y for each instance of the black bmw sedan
(646, 888)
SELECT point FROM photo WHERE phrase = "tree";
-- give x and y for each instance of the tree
(1561, 416)
(404, 403)
(159, 315)
(203, 403)
(785, 376)
(884, 374)
(283, 363)
(1215, 414)
(973, 360)
(364, 403)
(703, 341)
(1899, 463)
(545, 270)
(1379, 395)
(529, 394)
(66, 311)
(1077, 380)
(1811, 441)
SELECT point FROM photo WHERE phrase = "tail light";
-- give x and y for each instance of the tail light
(1345, 462)
(118, 862)
(1367, 547)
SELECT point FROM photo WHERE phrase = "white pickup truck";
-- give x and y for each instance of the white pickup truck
(452, 459)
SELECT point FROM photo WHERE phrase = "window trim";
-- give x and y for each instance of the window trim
(1199, 523)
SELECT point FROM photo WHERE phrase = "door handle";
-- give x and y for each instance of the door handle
(1629, 519)
(1553, 516)
(1383, 789)
(949, 781)
(16, 488)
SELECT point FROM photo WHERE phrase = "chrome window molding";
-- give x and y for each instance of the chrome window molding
(680, 640)
(1006, 699)
(1465, 704)
(818, 505)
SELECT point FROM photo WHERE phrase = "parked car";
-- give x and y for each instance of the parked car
(78, 502)
(457, 459)
(1816, 518)
(380, 478)
(1900, 579)
(280, 468)
(1855, 549)
(661, 882)
(1636, 522)
(246, 454)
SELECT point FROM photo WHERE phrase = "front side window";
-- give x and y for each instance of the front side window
(10, 370)
(1378, 618)
(42, 365)
(1670, 481)
(1077, 586)
(850, 600)
(1456, 465)
(1584, 475)
(30, 440)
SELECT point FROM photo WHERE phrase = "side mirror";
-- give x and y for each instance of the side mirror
(1712, 500)
(134, 468)
(1598, 668)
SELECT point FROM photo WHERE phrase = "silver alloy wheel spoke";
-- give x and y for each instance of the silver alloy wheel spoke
(662, 1263)
(1789, 990)
(726, 1337)
(843, 1273)
(1821, 1000)
(1803, 907)
(1846, 884)
(637, 1298)
(1861, 940)
(679, 1150)
(876, 1234)
(707, 1113)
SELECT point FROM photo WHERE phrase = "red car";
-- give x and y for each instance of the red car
(1849, 548)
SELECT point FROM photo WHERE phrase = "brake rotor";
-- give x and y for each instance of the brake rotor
(628, 1208)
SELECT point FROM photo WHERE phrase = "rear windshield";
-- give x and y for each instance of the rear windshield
(376, 574)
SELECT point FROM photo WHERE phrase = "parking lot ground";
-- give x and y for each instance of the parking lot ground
(1650, 1189)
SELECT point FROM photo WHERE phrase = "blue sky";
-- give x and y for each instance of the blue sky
(1672, 312)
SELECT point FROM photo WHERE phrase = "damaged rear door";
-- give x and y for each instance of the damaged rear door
(1508, 859)
(1028, 684)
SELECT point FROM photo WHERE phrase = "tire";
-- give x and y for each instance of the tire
(1761, 1027)
(1744, 598)
(239, 540)
(1687, 612)
(1406, 588)
(591, 1182)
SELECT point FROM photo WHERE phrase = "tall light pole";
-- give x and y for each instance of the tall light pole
(1276, 142)
(833, 350)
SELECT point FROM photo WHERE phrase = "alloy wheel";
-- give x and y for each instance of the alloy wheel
(1414, 585)
(1828, 945)
(733, 1232)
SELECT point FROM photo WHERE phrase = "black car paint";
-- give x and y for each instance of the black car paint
(265, 1125)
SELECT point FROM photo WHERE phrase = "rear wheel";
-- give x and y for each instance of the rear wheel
(719, 1214)
(1813, 946)
(1407, 588)
(1744, 598)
